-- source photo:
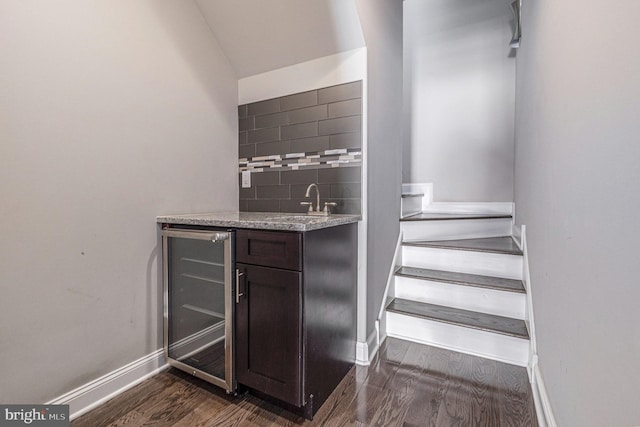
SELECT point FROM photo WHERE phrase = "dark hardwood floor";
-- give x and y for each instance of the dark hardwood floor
(407, 384)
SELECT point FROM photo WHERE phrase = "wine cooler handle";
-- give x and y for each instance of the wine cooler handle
(239, 274)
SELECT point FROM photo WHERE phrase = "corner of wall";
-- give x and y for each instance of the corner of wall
(538, 388)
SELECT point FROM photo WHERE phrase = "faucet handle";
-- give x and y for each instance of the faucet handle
(307, 204)
(327, 204)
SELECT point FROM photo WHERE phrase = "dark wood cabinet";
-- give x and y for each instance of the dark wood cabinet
(296, 313)
(268, 338)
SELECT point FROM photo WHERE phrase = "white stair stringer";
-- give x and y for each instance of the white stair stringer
(482, 300)
(476, 342)
(462, 261)
(455, 229)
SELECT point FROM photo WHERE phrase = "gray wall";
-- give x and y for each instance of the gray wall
(289, 142)
(110, 114)
(382, 27)
(459, 82)
(577, 178)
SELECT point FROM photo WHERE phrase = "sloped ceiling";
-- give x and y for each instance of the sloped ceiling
(263, 35)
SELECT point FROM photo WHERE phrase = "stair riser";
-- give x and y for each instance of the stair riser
(455, 229)
(500, 303)
(498, 347)
(471, 262)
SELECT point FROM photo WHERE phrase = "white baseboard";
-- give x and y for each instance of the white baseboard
(530, 318)
(366, 351)
(389, 291)
(541, 400)
(516, 233)
(503, 208)
(94, 393)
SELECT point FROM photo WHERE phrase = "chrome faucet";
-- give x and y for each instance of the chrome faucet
(317, 211)
(308, 194)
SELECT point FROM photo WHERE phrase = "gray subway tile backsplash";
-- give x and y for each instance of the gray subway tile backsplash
(302, 130)
(246, 123)
(277, 147)
(299, 100)
(307, 145)
(290, 142)
(243, 111)
(345, 190)
(263, 205)
(346, 140)
(340, 93)
(273, 192)
(350, 107)
(247, 193)
(246, 151)
(306, 176)
(339, 125)
(264, 135)
(338, 175)
(265, 178)
(308, 114)
(264, 107)
(271, 120)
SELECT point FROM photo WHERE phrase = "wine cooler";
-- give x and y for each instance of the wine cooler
(198, 303)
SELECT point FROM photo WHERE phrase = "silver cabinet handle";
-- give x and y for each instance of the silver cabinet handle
(239, 274)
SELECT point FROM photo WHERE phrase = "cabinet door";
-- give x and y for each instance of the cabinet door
(268, 331)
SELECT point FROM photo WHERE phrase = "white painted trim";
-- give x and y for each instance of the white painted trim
(365, 351)
(475, 342)
(455, 229)
(390, 288)
(318, 73)
(505, 208)
(516, 233)
(472, 298)
(381, 322)
(420, 188)
(471, 262)
(91, 395)
(541, 400)
(526, 279)
(361, 312)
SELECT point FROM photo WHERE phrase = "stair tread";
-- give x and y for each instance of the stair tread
(464, 279)
(470, 319)
(436, 216)
(499, 245)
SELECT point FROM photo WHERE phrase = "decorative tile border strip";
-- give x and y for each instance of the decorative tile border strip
(341, 157)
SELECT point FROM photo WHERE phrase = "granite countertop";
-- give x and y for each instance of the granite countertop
(260, 220)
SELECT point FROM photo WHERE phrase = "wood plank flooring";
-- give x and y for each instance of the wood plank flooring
(407, 384)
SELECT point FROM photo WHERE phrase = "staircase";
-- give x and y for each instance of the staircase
(460, 286)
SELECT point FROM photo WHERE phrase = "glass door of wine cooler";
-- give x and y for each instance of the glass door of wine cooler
(198, 304)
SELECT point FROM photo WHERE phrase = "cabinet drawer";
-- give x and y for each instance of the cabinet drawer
(269, 248)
